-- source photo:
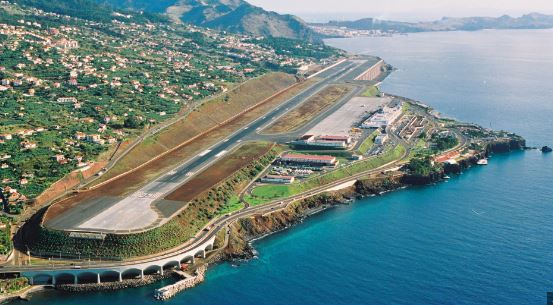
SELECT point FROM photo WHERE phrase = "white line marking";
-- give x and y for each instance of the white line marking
(220, 154)
(205, 152)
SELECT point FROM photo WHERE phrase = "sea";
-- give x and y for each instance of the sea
(484, 237)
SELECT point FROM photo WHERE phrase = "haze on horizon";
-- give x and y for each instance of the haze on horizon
(408, 10)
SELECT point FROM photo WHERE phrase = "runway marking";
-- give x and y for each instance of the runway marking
(220, 154)
(205, 152)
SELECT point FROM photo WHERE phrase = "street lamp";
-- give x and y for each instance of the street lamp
(28, 254)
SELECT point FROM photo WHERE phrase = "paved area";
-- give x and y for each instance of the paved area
(139, 210)
(349, 115)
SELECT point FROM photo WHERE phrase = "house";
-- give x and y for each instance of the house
(278, 179)
(66, 44)
(60, 159)
(95, 138)
(28, 145)
(26, 132)
(23, 181)
(80, 135)
(64, 100)
(6, 137)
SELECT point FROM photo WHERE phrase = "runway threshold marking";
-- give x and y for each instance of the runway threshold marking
(220, 154)
(205, 152)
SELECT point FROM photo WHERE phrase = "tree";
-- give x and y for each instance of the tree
(133, 122)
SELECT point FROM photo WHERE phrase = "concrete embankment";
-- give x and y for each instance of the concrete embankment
(108, 286)
(170, 291)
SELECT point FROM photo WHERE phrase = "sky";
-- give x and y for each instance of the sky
(408, 10)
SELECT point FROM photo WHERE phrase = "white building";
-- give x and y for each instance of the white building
(278, 179)
(386, 116)
(381, 139)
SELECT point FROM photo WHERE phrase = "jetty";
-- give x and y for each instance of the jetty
(187, 282)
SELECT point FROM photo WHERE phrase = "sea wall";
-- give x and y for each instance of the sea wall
(110, 286)
(170, 291)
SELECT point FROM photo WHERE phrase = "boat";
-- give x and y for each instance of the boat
(482, 162)
(447, 177)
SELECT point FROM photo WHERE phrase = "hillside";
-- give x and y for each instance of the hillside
(229, 15)
(74, 87)
(529, 21)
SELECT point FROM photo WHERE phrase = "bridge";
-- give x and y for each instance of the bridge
(42, 275)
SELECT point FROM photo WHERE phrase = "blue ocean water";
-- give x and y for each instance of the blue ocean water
(482, 238)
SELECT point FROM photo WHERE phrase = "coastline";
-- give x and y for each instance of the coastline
(245, 231)
(248, 230)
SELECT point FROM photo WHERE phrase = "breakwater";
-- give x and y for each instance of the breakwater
(110, 286)
(170, 291)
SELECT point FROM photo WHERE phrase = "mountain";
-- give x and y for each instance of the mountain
(229, 15)
(529, 21)
(90, 10)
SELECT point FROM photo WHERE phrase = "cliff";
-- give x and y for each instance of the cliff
(247, 229)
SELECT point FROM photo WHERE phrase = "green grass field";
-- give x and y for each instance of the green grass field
(372, 91)
(234, 204)
(368, 143)
(267, 193)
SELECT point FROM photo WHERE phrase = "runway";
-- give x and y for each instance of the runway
(146, 207)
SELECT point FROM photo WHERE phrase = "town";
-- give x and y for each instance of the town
(72, 90)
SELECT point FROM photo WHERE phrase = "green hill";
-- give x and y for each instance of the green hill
(90, 10)
(229, 15)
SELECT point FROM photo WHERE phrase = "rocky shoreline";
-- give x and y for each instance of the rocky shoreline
(246, 230)
(111, 286)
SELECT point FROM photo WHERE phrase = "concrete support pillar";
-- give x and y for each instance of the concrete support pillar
(142, 274)
(76, 279)
(193, 260)
(203, 254)
(120, 277)
(98, 281)
(31, 280)
(161, 270)
(54, 280)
